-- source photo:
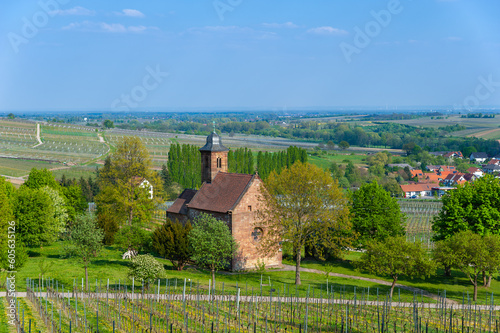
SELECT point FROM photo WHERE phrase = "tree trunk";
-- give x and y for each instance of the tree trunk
(297, 265)
(484, 279)
(475, 288)
(393, 285)
(86, 278)
(213, 279)
(447, 271)
(489, 281)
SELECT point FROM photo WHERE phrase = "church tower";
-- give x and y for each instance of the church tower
(213, 158)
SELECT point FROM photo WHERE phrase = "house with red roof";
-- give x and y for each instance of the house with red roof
(230, 197)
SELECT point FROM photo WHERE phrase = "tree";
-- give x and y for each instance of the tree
(212, 244)
(395, 257)
(376, 215)
(86, 241)
(108, 124)
(304, 206)
(34, 212)
(74, 201)
(11, 116)
(39, 178)
(59, 206)
(171, 242)
(6, 239)
(344, 145)
(471, 254)
(123, 193)
(146, 268)
(473, 206)
(132, 236)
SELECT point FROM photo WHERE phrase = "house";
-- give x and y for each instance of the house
(441, 168)
(419, 190)
(230, 197)
(448, 154)
(144, 183)
(475, 171)
(478, 157)
(417, 173)
(491, 168)
(494, 161)
(459, 178)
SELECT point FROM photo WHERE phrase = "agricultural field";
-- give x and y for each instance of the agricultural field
(173, 305)
(474, 126)
(20, 167)
(420, 214)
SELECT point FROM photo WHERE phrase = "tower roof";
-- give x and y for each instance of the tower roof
(213, 143)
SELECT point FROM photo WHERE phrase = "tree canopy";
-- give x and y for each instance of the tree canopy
(304, 206)
(473, 206)
(86, 240)
(212, 244)
(376, 215)
(396, 257)
(123, 193)
(171, 242)
(471, 254)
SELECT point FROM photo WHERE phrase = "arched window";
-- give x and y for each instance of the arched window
(257, 234)
(219, 162)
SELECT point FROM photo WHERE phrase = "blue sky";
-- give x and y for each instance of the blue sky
(115, 55)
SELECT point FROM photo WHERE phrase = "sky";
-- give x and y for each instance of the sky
(76, 55)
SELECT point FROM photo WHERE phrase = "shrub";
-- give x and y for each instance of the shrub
(146, 268)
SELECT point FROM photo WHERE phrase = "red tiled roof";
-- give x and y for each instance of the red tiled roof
(473, 169)
(418, 173)
(223, 193)
(417, 187)
(494, 162)
(179, 206)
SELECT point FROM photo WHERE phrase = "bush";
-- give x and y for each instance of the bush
(146, 268)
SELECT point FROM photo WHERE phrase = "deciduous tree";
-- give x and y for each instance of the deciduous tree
(212, 243)
(376, 215)
(395, 257)
(305, 207)
(123, 193)
(146, 268)
(86, 241)
(471, 254)
(473, 206)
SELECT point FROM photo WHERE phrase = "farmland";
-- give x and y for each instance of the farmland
(419, 215)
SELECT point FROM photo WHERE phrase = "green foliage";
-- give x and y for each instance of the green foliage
(184, 165)
(74, 200)
(395, 257)
(269, 162)
(241, 161)
(344, 145)
(6, 219)
(171, 242)
(107, 222)
(39, 178)
(132, 236)
(123, 194)
(472, 254)
(305, 207)
(34, 212)
(473, 206)
(108, 123)
(146, 268)
(59, 205)
(213, 246)
(85, 239)
(376, 215)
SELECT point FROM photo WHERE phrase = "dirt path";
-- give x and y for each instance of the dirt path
(38, 136)
(385, 283)
(101, 139)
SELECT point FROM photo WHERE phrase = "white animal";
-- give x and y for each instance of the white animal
(129, 254)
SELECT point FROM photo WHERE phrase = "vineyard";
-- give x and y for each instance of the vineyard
(420, 214)
(58, 143)
(183, 306)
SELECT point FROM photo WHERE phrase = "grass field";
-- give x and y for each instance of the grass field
(20, 167)
(325, 161)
